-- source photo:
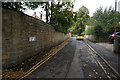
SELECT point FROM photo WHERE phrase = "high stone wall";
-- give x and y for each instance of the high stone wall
(17, 31)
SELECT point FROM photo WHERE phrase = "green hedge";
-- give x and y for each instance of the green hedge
(97, 30)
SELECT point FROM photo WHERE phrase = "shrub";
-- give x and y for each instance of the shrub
(90, 31)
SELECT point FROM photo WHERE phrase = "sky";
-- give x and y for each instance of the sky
(92, 6)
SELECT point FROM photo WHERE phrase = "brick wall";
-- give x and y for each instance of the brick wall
(17, 28)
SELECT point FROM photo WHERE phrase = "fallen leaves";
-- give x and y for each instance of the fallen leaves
(22, 62)
(30, 59)
(84, 65)
(89, 75)
(11, 74)
(96, 72)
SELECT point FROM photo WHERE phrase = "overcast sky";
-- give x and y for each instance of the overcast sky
(92, 5)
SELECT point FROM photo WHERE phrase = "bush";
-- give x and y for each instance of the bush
(98, 30)
(102, 22)
(83, 33)
(90, 31)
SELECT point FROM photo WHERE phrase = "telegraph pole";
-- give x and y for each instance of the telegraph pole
(114, 45)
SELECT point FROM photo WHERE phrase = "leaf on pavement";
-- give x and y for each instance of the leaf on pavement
(96, 72)
(89, 75)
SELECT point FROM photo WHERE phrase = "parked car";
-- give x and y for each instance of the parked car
(79, 37)
(111, 37)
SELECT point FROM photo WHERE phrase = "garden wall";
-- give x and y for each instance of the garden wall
(96, 38)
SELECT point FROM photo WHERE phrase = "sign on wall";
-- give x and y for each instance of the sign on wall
(31, 39)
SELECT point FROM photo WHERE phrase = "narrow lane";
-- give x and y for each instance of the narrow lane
(75, 60)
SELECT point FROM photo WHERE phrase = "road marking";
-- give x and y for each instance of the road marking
(104, 70)
(102, 67)
(94, 52)
(51, 53)
(109, 77)
(91, 52)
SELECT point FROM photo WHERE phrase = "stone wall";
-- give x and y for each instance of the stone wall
(97, 39)
(24, 36)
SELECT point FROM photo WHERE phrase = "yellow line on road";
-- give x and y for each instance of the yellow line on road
(51, 53)
(35, 68)
(91, 52)
(100, 63)
(102, 67)
(104, 70)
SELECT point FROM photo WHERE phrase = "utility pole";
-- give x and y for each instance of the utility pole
(114, 45)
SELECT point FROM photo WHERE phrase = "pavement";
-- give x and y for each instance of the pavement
(106, 52)
(107, 45)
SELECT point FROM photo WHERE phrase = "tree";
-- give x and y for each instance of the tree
(58, 14)
(103, 19)
(62, 16)
(82, 18)
(21, 6)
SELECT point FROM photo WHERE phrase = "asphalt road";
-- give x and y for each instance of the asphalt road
(75, 60)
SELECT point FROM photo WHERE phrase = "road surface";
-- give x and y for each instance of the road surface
(74, 60)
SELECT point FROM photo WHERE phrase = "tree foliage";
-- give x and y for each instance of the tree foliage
(62, 16)
(58, 14)
(82, 18)
(21, 6)
(102, 21)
